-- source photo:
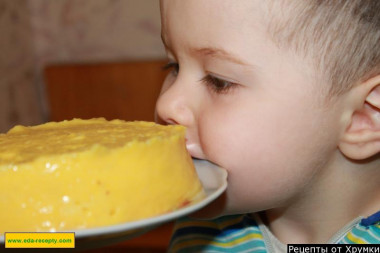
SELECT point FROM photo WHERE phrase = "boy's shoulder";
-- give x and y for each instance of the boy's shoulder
(364, 231)
(238, 233)
(235, 233)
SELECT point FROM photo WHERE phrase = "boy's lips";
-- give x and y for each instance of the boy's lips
(194, 150)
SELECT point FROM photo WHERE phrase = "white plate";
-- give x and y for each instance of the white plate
(214, 181)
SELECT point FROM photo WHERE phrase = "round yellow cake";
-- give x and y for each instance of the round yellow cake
(76, 174)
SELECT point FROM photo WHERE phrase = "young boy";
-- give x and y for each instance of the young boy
(285, 95)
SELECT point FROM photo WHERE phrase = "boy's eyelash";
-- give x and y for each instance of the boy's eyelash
(218, 85)
(173, 66)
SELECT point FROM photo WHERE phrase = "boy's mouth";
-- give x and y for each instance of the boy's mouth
(194, 150)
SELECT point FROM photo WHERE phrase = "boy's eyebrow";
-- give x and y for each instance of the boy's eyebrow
(213, 52)
(219, 53)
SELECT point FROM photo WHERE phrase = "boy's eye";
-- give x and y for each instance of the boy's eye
(173, 66)
(218, 85)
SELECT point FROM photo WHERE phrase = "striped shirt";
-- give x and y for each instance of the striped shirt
(244, 233)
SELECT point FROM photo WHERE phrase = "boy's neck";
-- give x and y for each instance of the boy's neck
(341, 192)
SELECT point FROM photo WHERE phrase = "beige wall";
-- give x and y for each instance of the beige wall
(36, 33)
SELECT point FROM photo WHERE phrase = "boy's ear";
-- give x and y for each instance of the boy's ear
(361, 140)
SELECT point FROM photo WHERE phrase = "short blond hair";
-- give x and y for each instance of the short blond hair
(341, 36)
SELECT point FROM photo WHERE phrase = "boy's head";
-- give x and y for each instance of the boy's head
(249, 80)
(342, 37)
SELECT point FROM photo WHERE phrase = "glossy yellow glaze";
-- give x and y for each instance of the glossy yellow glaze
(89, 173)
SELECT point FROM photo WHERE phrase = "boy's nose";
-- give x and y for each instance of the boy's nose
(178, 105)
(173, 106)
